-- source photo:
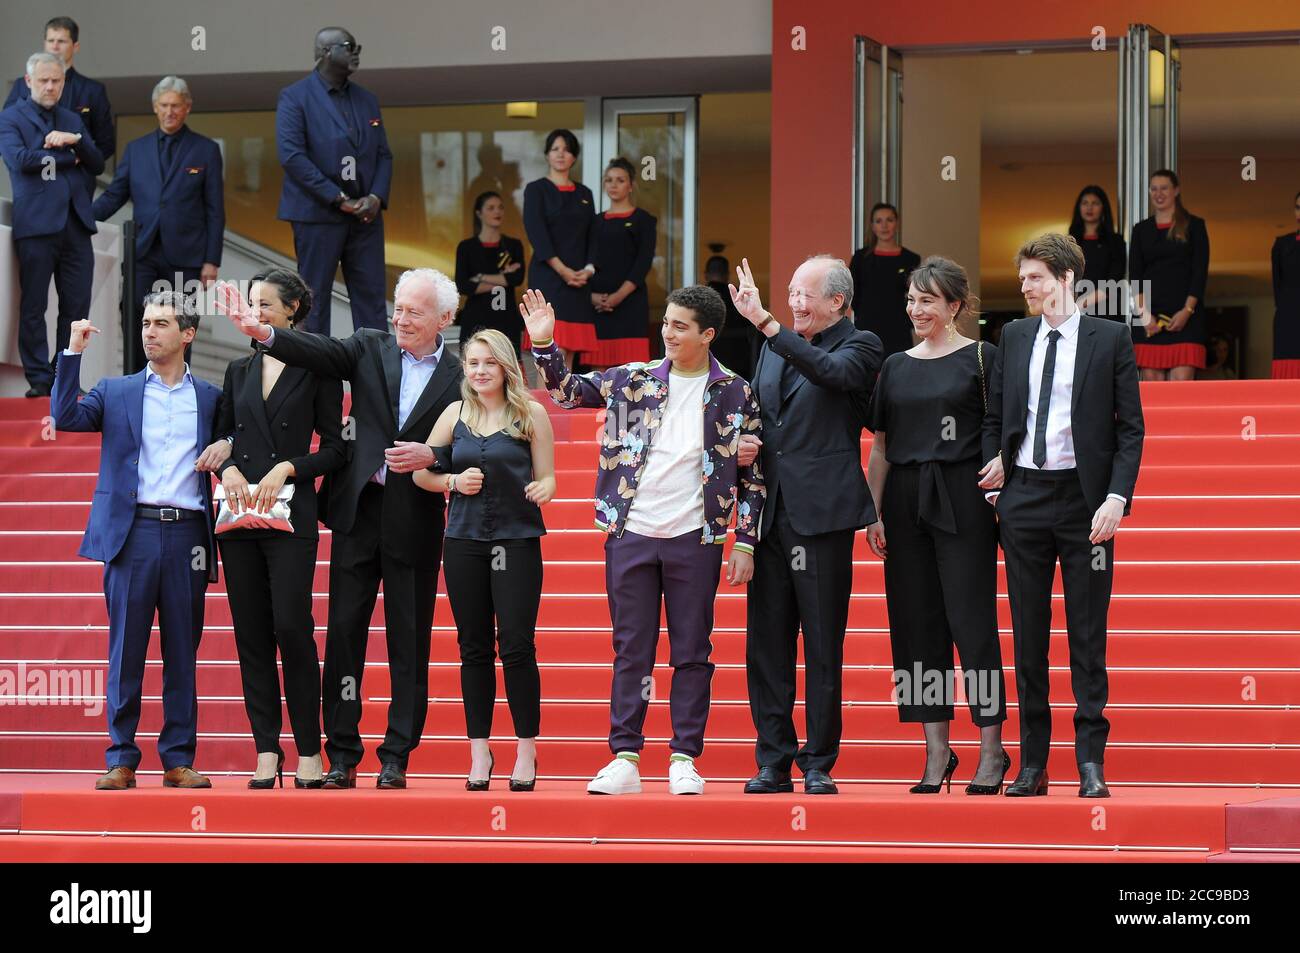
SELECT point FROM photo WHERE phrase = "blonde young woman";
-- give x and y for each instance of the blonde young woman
(495, 453)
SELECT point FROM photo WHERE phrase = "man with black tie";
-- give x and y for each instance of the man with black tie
(812, 384)
(1063, 439)
(52, 164)
(173, 176)
(385, 527)
(84, 96)
(337, 169)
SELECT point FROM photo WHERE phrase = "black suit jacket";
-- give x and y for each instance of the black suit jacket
(268, 432)
(372, 361)
(812, 440)
(1105, 405)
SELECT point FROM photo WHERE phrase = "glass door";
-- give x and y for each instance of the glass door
(1149, 81)
(659, 137)
(877, 131)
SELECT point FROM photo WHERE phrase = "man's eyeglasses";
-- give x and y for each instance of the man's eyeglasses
(350, 45)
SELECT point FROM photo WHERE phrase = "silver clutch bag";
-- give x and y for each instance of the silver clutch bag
(277, 518)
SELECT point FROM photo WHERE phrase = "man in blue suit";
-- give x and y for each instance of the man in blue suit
(150, 525)
(337, 169)
(173, 177)
(84, 96)
(52, 164)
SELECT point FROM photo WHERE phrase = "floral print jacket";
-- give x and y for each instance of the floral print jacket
(633, 396)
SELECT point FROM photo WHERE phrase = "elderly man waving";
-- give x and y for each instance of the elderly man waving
(813, 383)
(385, 527)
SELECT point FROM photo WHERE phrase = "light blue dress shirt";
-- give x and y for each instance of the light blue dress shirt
(416, 374)
(169, 443)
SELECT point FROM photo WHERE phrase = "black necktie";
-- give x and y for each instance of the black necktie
(1045, 400)
(168, 154)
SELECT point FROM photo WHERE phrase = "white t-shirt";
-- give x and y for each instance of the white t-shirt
(669, 498)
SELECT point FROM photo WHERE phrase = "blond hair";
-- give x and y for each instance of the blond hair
(519, 411)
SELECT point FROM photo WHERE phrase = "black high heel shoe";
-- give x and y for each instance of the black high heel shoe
(300, 783)
(482, 785)
(263, 784)
(993, 789)
(525, 785)
(923, 788)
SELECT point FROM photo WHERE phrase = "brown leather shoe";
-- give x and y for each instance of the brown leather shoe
(185, 777)
(117, 779)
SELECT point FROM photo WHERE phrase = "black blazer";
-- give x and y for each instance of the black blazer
(1105, 406)
(279, 428)
(813, 440)
(372, 361)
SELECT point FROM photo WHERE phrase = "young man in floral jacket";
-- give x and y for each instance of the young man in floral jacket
(671, 474)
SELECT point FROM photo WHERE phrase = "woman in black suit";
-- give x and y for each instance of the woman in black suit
(1286, 301)
(273, 409)
(927, 413)
(489, 267)
(1105, 256)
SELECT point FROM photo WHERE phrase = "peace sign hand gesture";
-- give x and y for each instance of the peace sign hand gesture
(746, 298)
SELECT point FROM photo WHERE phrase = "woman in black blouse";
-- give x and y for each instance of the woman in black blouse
(927, 411)
(495, 451)
(558, 217)
(1286, 301)
(489, 267)
(880, 271)
(1171, 251)
(622, 249)
(272, 409)
(1104, 255)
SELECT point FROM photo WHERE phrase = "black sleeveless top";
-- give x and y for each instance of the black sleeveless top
(499, 510)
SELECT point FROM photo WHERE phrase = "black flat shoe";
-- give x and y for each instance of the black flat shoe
(338, 777)
(391, 777)
(770, 780)
(265, 784)
(1091, 781)
(974, 788)
(923, 788)
(818, 782)
(525, 785)
(1030, 782)
(483, 785)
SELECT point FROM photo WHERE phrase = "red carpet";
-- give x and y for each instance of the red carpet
(1204, 654)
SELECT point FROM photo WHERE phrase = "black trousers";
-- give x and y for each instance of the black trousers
(1043, 517)
(495, 589)
(799, 581)
(68, 257)
(269, 583)
(941, 590)
(358, 564)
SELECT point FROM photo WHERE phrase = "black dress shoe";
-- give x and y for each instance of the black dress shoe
(391, 776)
(770, 780)
(1091, 782)
(37, 392)
(1030, 782)
(818, 782)
(338, 777)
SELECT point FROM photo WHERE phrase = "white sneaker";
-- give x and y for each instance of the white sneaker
(620, 776)
(683, 778)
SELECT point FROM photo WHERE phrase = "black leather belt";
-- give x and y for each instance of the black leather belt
(167, 514)
(1046, 476)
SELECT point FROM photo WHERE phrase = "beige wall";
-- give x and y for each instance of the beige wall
(735, 176)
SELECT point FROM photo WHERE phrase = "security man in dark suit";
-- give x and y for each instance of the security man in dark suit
(811, 383)
(337, 169)
(173, 176)
(84, 96)
(52, 164)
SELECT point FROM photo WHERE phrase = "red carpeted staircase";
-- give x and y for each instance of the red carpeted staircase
(1204, 655)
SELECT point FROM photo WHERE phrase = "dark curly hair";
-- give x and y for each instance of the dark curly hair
(705, 303)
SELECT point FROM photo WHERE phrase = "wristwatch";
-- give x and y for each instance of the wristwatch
(765, 322)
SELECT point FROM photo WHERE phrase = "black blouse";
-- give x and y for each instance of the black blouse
(499, 510)
(475, 258)
(932, 410)
(880, 285)
(1105, 258)
(1286, 297)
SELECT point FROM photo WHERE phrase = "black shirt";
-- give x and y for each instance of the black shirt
(1104, 259)
(499, 510)
(880, 283)
(473, 257)
(932, 410)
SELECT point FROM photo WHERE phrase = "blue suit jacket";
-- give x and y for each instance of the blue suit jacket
(88, 99)
(317, 151)
(115, 409)
(42, 200)
(188, 207)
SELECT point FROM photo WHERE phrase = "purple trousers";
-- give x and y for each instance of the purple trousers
(640, 573)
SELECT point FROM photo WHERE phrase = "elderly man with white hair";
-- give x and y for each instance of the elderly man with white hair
(173, 178)
(385, 527)
(52, 163)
